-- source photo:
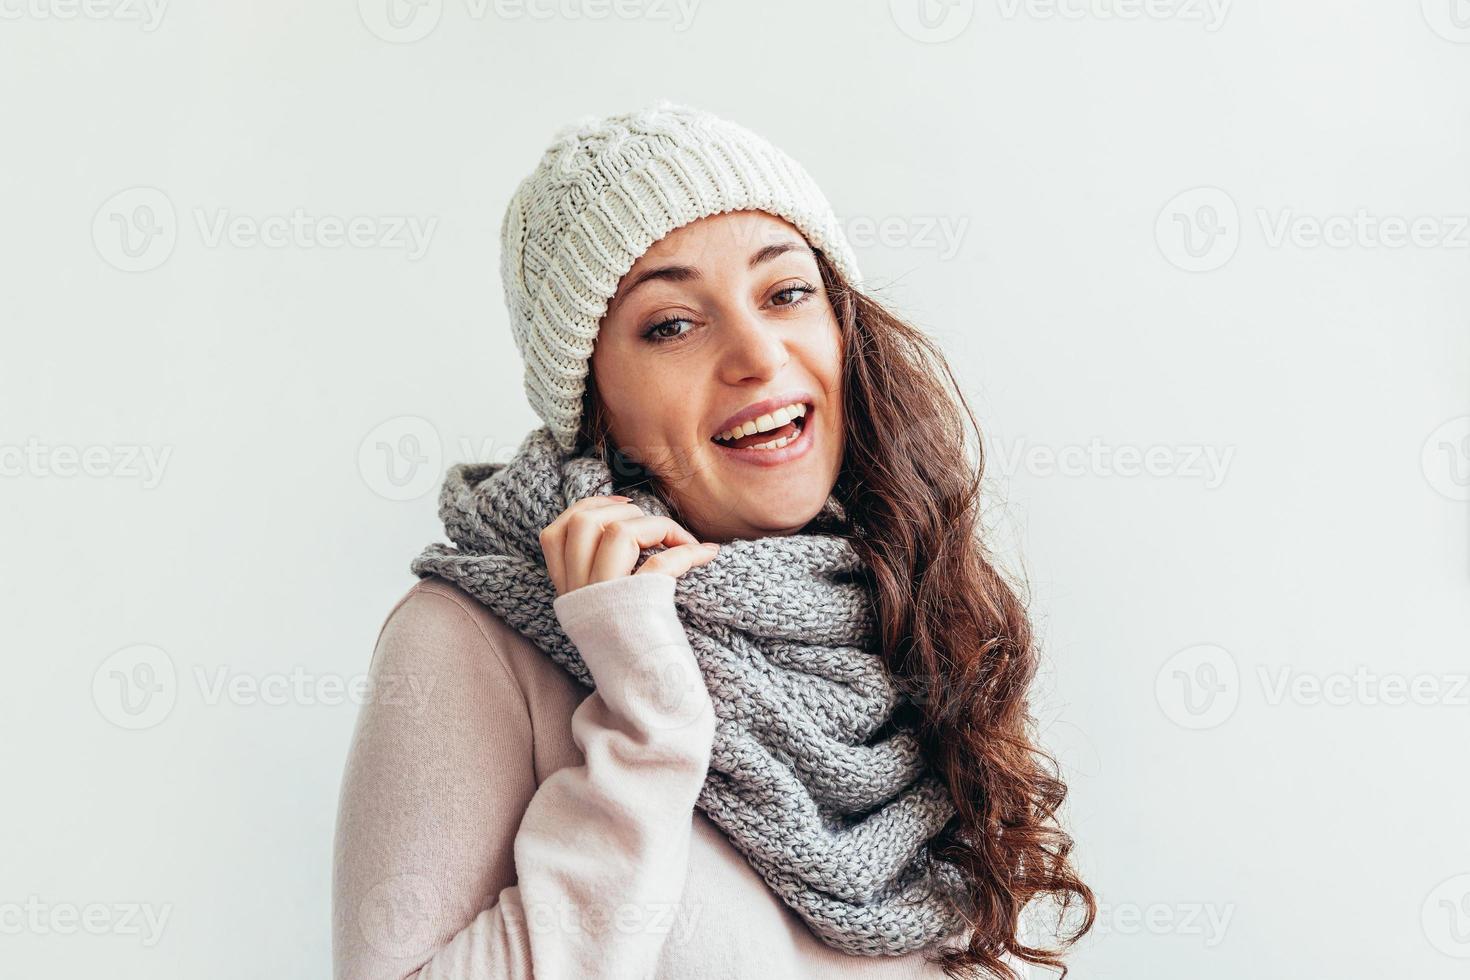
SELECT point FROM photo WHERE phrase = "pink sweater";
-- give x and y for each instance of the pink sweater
(498, 821)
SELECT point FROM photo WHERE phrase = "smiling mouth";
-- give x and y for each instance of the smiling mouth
(769, 432)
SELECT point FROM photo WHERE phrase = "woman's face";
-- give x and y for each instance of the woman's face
(722, 322)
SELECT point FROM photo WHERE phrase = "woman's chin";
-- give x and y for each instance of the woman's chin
(748, 518)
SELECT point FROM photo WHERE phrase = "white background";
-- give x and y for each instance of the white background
(1107, 214)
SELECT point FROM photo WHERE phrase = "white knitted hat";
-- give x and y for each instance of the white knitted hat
(605, 190)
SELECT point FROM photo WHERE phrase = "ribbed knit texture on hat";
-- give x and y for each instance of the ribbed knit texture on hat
(605, 190)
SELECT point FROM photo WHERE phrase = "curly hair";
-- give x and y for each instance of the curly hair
(955, 635)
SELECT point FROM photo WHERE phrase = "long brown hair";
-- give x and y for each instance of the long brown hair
(954, 633)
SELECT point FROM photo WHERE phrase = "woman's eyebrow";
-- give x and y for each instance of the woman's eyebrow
(687, 273)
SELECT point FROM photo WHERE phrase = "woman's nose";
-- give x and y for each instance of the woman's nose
(753, 348)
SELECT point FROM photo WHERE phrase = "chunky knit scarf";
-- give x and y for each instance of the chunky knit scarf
(829, 802)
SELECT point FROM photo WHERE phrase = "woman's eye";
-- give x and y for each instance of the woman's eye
(663, 332)
(798, 293)
(673, 328)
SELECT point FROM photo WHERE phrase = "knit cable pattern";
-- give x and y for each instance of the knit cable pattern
(829, 801)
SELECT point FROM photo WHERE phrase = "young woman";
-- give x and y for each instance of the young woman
(717, 679)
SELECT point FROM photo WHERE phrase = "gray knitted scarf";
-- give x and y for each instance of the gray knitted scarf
(829, 802)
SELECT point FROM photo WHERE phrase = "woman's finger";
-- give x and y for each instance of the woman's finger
(553, 536)
(584, 531)
(622, 541)
(677, 561)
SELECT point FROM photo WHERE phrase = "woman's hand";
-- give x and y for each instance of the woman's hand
(599, 538)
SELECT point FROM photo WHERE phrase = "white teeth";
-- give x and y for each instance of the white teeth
(764, 423)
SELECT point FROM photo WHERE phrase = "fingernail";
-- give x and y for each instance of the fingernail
(712, 546)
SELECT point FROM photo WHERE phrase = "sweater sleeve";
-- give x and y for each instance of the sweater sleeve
(451, 864)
